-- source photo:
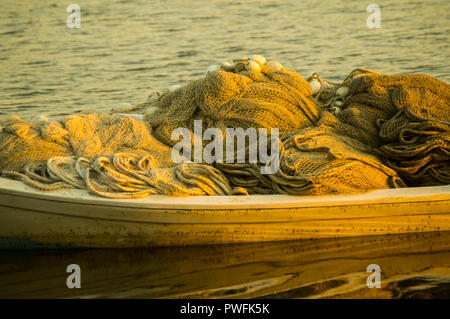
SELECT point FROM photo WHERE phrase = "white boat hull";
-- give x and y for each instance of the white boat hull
(73, 218)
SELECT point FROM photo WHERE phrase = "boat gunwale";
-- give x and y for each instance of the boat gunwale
(253, 202)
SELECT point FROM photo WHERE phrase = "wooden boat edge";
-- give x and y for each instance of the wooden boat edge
(403, 195)
(39, 221)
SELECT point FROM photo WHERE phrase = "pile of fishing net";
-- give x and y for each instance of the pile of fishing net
(370, 131)
(405, 118)
(257, 94)
(112, 156)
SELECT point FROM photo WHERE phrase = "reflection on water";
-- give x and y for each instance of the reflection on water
(125, 50)
(412, 265)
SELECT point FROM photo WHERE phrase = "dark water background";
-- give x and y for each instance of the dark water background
(412, 266)
(125, 50)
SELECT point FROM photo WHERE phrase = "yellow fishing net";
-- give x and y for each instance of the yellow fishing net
(368, 132)
(406, 118)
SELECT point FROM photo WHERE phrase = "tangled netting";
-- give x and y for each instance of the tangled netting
(404, 118)
(367, 132)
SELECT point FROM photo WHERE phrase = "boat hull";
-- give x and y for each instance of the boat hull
(73, 218)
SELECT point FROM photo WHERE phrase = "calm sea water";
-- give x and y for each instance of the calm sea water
(125, 50)
(412, 266)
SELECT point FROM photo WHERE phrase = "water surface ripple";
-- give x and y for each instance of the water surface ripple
(125, 50)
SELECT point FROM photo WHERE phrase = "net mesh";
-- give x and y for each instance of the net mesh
(368, 132)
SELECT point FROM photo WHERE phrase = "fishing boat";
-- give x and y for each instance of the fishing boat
(72, 218)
